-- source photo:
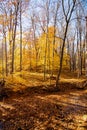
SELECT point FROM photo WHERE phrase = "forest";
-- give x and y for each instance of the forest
(43, 64)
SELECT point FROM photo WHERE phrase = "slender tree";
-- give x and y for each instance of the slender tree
(5, 42)
(67, 19)
(54, 38)
(46, 45)
(86, 49)
(14, 33)
(20, 35)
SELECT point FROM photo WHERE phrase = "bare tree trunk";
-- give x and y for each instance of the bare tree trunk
(80, 55)
(5, 42)
(6, 64)
(55, 22)
(67, 18)
(84, 54)
(72, 59)
(2, 61)
(20, 35)
(14, 35)
(10, 40)
(86, 51)
(4, 47)
(30, 60)
(46, 45)
(45, 56)
(61, 58)
(78, 51)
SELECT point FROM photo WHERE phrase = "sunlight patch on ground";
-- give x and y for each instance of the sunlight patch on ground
(65, 100)
(72, 80)
(75, 94)
(84, 117)
(6, 106)
(17, 82)
(81, 121)
(30, 79)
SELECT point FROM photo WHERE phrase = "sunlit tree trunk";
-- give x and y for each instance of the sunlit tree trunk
(34, 20)
(11, 26)
(55, 22)
(6, 59)
(45, 56)
(30, 60)
(46, 44)
(2, 60)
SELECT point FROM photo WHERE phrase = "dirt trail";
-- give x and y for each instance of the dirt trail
(44, 111)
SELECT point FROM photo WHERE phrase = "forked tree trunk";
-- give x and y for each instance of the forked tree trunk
(67, 18)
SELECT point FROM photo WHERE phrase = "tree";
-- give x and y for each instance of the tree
(55, 23)
(67, 20)
(46, 44)
(20, 4)
(86, 49)
(16, 5)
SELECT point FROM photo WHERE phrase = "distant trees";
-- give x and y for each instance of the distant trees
(12, 18)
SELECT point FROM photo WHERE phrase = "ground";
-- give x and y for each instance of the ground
(32, 104)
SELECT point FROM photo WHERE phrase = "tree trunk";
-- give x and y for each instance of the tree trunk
(46, 44)
(67, 18)
(61, 58)
(55, 22)
(86, 51)
(14, 35)
(2, 61)
(6, 64)
(20, 36)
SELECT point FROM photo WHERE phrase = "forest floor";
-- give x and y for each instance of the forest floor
(32, 104)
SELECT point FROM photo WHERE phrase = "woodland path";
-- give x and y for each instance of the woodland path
(42, 110)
